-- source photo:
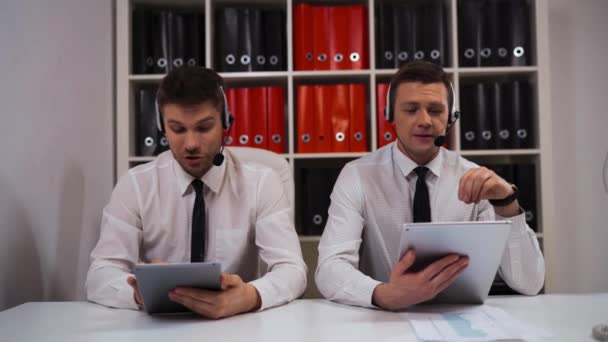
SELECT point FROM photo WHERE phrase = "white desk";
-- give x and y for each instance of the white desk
(567, 317)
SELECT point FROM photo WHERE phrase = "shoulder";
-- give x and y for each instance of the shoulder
(376, 160)
(147, 173)
(457, 163)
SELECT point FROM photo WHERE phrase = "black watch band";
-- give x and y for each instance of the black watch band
(507, 200)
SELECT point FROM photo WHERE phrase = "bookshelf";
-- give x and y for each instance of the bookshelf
(540, 155)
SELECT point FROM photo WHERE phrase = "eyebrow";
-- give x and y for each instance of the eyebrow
(201, 121)
(409, 103)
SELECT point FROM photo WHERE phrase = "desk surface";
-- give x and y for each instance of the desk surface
(567, 317)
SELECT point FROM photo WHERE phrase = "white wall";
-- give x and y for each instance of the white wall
(579, 79)
(56, 164)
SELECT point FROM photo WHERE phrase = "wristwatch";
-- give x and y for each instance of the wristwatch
(507, 200)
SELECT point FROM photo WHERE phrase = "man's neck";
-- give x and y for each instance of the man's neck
(418, 159)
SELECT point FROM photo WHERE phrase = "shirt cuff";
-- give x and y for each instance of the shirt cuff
(367, 288)
(519, 226)
(264, 289)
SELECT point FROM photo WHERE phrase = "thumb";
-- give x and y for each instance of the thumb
(407, 260)
(132, 281)
(230, 280)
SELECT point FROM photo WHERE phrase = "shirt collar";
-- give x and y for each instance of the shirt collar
(406, 165)
(212, 178)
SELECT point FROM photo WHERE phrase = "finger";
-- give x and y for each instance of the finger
(201, 308)
(450, 280)
(449, 272)
(404, 264)
(464, 186)
(433, 269)
(230, 280)
(478, 187)
(461, 185)
(477, 177)
(132, 281)
(487, 189)
(158, 261)
(201, 295)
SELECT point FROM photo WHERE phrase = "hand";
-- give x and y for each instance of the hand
(133, 282)
(409, 288)
(234, 298)
(481, 183)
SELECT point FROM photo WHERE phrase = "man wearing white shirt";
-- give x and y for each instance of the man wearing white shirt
(415, 180)
(195, 203)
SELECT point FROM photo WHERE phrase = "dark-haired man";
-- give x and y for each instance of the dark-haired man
(190, 204)
(414, 180)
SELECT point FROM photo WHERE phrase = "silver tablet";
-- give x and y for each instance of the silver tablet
(156, 280)
(483, 242)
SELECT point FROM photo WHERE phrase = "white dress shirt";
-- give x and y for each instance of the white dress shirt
(373, 198)
(248, 220)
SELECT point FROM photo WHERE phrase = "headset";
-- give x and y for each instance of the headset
(227, 121)
(389, 112)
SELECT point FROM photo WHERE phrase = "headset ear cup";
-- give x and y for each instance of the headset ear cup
(159, 118)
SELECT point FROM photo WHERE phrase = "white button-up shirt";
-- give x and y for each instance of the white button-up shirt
(373, 198)
(248, 220)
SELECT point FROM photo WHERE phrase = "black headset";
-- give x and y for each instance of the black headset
(389, 111)
(227, 120)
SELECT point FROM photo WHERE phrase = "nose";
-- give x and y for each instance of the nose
(191, 142)
(424, 118)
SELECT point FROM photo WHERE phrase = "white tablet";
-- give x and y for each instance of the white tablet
(483, 242)
(156, 280)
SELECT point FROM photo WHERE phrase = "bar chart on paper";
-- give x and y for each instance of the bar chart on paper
(471, 324)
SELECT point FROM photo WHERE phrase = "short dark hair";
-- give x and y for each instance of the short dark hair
(424, 72)
(189, 86)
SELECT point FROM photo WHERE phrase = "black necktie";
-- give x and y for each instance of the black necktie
(197, 253)
(422, 206)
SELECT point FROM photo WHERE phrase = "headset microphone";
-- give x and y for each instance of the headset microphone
(218, 159)
(440, 139)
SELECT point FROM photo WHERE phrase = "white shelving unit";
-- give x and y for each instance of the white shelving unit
(541, 155)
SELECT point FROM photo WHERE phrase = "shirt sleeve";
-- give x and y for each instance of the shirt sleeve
(278, 245)
(337, 276)
(117, 250)
(522, 265)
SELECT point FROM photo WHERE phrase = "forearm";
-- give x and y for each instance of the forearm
(522, 266)
(107, 285)
(281, 285)
(339, 280)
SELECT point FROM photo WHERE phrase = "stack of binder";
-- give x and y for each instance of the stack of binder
(416, 30)
(250, 39)
(386, 130)
(496, 115)
(331, 118)
(316, 187)
(259, 117)
(494, 32)
(330, 37)
(166, 39)
(149, 140)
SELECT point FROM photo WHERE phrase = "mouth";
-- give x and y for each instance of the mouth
(193, 160)
(424, 136)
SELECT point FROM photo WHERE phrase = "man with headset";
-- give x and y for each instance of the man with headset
(415, 180)
(198, 202)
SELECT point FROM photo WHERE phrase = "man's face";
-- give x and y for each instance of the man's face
(194, 134)
(421, 114)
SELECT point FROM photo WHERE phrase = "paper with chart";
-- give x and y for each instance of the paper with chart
(476, 323)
